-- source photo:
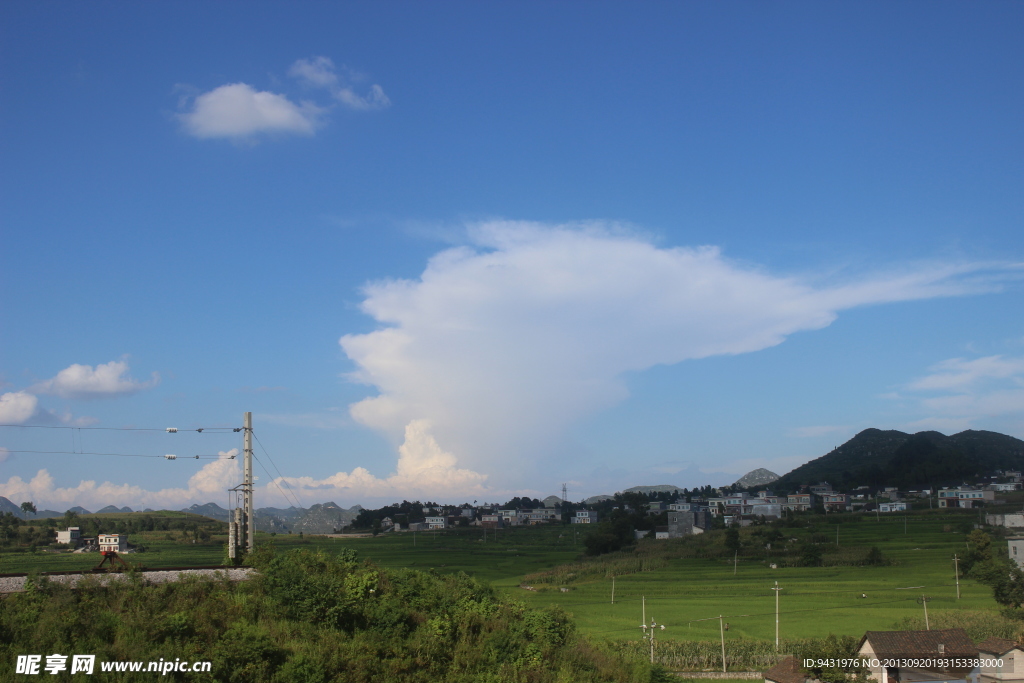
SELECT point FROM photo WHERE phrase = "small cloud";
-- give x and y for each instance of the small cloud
(239, 111)
(375, 99)
(820, 430)
(319, 72)
(103, 381)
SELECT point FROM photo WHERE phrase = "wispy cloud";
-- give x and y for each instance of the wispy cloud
(957, 393)
(320, 72)
(84, 381)
(505, 342)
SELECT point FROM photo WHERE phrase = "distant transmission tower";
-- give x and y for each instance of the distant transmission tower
(564, 494)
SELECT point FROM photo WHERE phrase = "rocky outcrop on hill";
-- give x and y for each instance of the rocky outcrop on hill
(758, 477)
(325, 518)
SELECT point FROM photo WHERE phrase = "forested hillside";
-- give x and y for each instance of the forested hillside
(892, 458)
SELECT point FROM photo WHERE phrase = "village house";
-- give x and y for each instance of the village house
(799, 502)
(836, 502)
(117, 543)
(786, 671)
(585, 517)
(964, 497)
(951, 644)
(436, 522)
(71, 537)
(492, 521)
(1001, 659)
(892, 507)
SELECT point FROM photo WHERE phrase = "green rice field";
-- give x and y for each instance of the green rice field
(685, 594)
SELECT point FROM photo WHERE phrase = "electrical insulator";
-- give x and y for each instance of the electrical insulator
(171, 457)
(172, 430)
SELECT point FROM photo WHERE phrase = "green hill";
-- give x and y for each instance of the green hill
(892, 458)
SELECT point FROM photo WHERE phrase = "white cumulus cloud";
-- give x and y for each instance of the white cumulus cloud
(238, 110)
(505, 342)
(424, 470)
(84, 381)
(17, 407)
(209, 484)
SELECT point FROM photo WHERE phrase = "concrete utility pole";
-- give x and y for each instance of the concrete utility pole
(250, 517)
(613, 589)
(956, 569)
(776, 589)
(924, 601)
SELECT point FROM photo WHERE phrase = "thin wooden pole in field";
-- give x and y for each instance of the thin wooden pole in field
(721, 630)
(613, 589)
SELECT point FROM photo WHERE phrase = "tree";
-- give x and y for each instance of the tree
(28, 507)
(732, 539)
(70, 517)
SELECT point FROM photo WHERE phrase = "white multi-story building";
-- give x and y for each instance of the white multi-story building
(585, 517)
(964, 497)
(117, 543)
(72, 537)
(436, 522)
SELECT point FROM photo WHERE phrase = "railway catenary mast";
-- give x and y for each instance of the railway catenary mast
(250, 518)
(241, 520)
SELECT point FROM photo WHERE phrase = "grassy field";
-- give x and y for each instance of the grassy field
(687, 595)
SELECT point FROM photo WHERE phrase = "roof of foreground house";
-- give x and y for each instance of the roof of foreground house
(997, 646)
(786, 671)
(898, 644)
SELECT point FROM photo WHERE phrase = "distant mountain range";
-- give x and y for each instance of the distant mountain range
(322, 518)
(874, 457)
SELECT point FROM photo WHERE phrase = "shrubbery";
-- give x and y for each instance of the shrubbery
(312, 618)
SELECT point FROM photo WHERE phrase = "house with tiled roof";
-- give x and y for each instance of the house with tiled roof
(1001, 659)
(951, 644)
(786, 671)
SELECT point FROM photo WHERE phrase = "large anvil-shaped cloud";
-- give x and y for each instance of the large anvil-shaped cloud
(503, 344)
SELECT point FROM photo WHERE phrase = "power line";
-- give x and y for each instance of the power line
(169, 430)
(280, 476)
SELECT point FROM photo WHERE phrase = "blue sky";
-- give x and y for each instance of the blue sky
(461, 251)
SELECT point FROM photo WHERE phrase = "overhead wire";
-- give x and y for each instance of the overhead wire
(280, 476)
(170, 430)
(126, 455)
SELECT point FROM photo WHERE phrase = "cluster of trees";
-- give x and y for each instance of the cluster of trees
(989, 564)
(314, 618)
(15, 532)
